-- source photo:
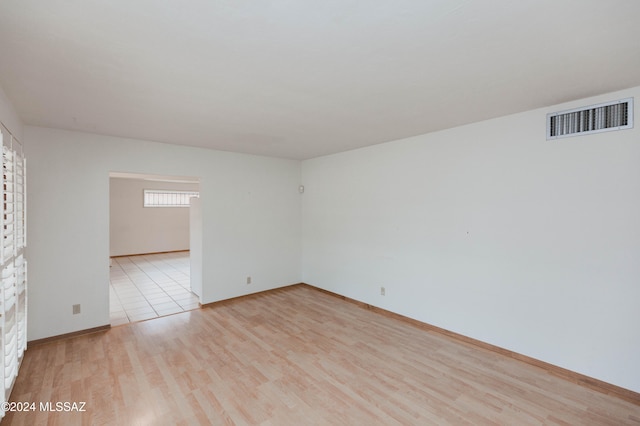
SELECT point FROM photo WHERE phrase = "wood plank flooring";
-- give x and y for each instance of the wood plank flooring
(294, 356)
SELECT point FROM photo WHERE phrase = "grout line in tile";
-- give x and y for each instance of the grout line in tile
(151, 279)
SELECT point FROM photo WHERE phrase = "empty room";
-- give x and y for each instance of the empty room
(413, 212)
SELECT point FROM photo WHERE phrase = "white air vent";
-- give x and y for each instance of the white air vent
(616, 115)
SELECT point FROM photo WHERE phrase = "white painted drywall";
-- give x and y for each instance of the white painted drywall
(135, 229)
(250, 208)
(9, 117)
(493, 232)
(195, 244)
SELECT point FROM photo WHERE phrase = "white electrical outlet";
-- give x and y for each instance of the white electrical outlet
(382, 291)
(248, 280)
(76, 309)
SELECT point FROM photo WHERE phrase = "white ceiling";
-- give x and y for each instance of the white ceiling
(302, 78)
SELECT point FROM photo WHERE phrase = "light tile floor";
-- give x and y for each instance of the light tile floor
(150, 286)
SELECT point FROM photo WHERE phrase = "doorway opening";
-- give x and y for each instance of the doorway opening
(150, 246)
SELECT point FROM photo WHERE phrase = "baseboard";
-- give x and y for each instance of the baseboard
(202, 306)
(572, 376)
(68, 335)
(147, 254)
(250, 296)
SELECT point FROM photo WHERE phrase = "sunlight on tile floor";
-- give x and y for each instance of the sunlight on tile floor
(150, 286)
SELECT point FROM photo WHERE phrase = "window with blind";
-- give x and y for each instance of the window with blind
(162, 198)
(13, 273)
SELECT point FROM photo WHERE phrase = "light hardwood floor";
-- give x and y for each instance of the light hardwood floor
(295, 356)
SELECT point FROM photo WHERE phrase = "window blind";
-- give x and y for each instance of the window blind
(13, 265)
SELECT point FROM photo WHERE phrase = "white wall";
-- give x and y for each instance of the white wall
(493, 232)
(135, 229)
(9, 117)
(250, 207)
(195, 245)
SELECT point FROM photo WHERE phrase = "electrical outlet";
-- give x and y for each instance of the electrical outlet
(382, 291)
(76, 309)
(248, 280)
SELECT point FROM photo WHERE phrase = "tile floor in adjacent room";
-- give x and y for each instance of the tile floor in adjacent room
(149, 286)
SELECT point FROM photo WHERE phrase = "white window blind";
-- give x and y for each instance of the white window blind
(166, 198)
(13, 265)
(8, 242)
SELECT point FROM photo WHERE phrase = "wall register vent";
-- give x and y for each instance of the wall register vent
(616, 115)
